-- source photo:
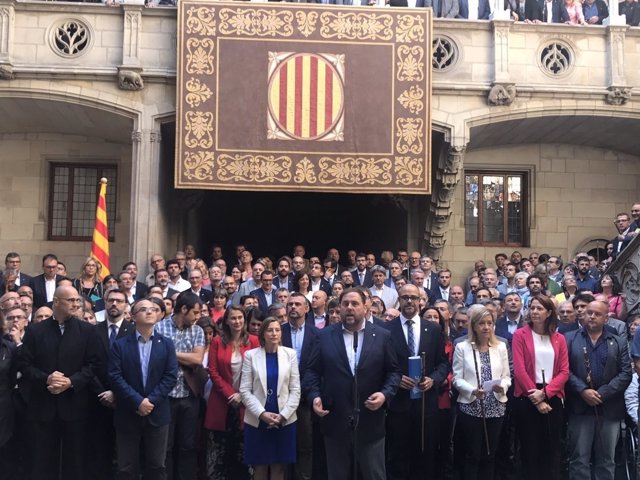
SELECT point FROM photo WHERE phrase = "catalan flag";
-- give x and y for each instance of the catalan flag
(100, 244)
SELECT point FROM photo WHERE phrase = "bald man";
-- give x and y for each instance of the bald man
(59, 358)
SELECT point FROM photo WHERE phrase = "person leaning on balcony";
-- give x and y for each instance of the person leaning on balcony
(545, 11)
(574, 9)
(595, 11)
(630, 8)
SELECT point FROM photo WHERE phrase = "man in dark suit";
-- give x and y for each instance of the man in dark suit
(59, 359)
(143, 369)
(361, 275)
(352, 373)
(161, 277)
(266, 294)
(536, 11)
(139, 290)
(317, 280)
(12, 261)
(599, 373)
(44, 285)
(285, 275)
(412, 336)
(482, 14)
(512, 319)
(300, 335)
(195, 279)
(101, 442)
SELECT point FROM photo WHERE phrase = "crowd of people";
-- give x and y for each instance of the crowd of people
(312, 367)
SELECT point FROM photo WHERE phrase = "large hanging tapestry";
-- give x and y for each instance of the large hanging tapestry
(303, 97)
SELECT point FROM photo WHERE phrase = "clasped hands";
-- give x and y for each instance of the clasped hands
(539, 400)
(145, 408)
(273, 420)
(57, 383)
(408, 383)
(373, 403)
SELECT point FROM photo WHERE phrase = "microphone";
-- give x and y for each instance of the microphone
(355, 342)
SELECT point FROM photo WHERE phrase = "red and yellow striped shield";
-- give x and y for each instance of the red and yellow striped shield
(306, 96)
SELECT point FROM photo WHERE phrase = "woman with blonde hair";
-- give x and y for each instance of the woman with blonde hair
(480, 362)
(574, 9)
(89, 284)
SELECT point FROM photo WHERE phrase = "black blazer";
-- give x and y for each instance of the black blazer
(368, 279)
(24, 280)
(617, 375)
(141, 290)
(502, 328)
(262, 299)
(276, 279)
(536, 10)
(126, 328)
(205, 295)
(329, 376)
(436, 362)
(37, 284)
(310, 337)
(76, 354)
(325, 286)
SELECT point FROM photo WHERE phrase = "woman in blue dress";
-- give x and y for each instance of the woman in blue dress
(270, 390)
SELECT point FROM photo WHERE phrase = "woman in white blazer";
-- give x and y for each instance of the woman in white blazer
(270, 390)
(482, 356)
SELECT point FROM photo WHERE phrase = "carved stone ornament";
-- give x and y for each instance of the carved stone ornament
(618, 95)
(6, 72)
(626, 268)
(502, 94)
(130, 80)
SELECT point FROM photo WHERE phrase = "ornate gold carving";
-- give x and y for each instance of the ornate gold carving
(409, 133)
(198, 92)
(409, 170)
(352, 26)
(201, 21)
(412, 99)
(410, 64)
(250, 168)
(199, 127)
(198, 165)
(249, 21)
(410, 29)
(355, 171)
(305, 172)
(200, 56)
(306, 22)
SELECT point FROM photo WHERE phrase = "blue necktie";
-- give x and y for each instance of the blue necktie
(411, 339)
(113, 334)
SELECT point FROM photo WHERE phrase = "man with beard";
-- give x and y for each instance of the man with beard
(412, 336)
(300, 335)
(59, 358)
(101, 442)
(285, 276)
(345, 351)
(188, 340)
(161, 277)
(584, 281)
(512, 319)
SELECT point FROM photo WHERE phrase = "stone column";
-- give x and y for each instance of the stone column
(619, 91)
(143, 232)
(503, 90)
(7, 24)
(129, 73)
(447, 177)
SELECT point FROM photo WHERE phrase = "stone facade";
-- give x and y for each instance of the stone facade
(500, 101)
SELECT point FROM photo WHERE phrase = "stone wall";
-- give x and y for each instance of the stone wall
(575, 194)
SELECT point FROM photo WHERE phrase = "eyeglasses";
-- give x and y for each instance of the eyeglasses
(407, 298)
(15, 317)
(148, 310)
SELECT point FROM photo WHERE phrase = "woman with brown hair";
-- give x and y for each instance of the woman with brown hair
(541, 369)
(225, 412)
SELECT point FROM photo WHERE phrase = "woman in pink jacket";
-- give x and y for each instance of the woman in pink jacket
(541, 369)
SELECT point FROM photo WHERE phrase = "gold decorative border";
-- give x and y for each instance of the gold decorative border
(199, 165)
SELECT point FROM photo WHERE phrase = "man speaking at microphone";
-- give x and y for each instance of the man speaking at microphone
(352, 376)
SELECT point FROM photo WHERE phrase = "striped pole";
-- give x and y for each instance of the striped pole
(100, 244)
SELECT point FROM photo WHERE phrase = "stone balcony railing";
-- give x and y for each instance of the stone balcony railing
(60, 40)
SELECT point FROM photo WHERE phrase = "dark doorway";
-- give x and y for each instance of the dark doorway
(272, 223)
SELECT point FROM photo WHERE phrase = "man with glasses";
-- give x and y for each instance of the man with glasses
(44, 285)
(59, 358)
(142, 383)
(411, 336)
(12, 261)
(625, 233)
(554, 269)
(156, 262)
(102, 440)
(413, 265)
